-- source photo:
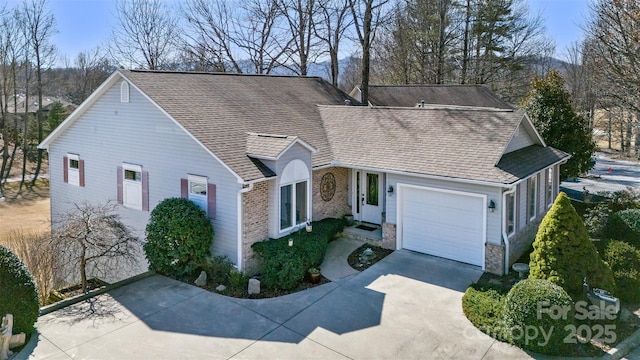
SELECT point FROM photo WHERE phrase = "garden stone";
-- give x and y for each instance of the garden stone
(254, 286)
(202, 279)
(625, 315)
(221, 288)
(495, 282)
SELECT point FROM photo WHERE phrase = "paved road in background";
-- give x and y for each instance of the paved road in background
(607, 175)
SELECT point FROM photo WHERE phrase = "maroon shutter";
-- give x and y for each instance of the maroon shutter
(145, 191)
(119, 176)
(211, 200)
(81, 172)
(184, 188)
(65, 169)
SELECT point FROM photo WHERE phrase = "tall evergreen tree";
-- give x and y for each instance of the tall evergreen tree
(564, 254)
(549, 107)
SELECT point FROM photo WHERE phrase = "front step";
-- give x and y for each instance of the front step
(373, 237)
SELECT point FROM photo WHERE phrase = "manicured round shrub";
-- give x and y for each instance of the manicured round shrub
(625, 225)
(564, 254)
(624, 260)
(179, 237)
(540, 305)
(19, 293)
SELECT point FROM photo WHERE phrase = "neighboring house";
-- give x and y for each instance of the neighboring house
(262, 155)
(419, 95)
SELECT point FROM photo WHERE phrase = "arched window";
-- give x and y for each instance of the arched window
(294, 195)
(124, 92)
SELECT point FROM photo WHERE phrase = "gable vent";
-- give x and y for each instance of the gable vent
(124, 92)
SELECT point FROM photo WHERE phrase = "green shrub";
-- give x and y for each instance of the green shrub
(564, 254)
(624, 260)
(625, 225)
(283, 266)
(238, 280)
(596, 219)
(521, 312)
(19, 292)
(179, 237)
(484, 307)
(218, 269)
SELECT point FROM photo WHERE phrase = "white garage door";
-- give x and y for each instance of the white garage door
(445, 224)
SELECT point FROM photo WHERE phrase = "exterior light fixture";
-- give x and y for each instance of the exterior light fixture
(390, 189)
(492, 206)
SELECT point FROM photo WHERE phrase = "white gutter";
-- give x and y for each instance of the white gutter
(240, 239)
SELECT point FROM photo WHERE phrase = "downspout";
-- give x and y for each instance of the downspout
(240, 239)
(505, 238)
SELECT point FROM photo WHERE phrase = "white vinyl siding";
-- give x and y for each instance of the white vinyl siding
(111, 133)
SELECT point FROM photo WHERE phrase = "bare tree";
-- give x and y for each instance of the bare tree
(39, 27)
(211, 28)
(89, 69)
(145, 35)
(368, 16)
(330, 29)
(93, 239)
(301, 17)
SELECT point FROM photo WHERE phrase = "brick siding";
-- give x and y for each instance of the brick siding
(494, 259)
(255, 222)
(338, 206)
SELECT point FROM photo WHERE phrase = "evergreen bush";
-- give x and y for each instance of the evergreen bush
(521, 311)
(179, 237)
(19, 295)
(564, 254)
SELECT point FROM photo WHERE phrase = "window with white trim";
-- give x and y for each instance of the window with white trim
(132, 186)
(73, 169)
(124, 91)
(198, 191)
(533, 197)
(294, 195)
(509, 213)
(549, 187)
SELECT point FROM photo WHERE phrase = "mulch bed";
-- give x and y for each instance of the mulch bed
(354, 257)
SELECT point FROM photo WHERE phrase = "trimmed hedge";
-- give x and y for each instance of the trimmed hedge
(484, 307)
(624, 260)
(179, 237)
(283, 266)
(521, 307)
(19, 292)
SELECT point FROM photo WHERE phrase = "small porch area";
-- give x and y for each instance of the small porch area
(365, 232)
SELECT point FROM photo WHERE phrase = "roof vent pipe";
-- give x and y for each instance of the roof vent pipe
(421, 103)
(347, 102)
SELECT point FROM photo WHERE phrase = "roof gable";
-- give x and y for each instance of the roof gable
(271, 147)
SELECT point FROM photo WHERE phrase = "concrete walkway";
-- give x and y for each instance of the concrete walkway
(407, 306)
(335, 266)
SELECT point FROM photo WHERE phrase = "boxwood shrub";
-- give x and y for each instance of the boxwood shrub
(179, 237)
(484, 307)
(521, 307)
(19, 293)
(283, 266)
(624, 260)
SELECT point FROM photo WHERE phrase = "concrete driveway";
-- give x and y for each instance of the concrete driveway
(407, 306)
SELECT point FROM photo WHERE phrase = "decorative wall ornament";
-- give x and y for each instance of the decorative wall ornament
(328, 186)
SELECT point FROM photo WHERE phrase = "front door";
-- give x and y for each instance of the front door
(370, 197)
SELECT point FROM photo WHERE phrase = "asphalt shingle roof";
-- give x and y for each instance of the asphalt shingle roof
(453, 143)
(230, 115)
(220, 109)
(457, 95)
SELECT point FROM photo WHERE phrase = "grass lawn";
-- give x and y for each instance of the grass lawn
(26, 211)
